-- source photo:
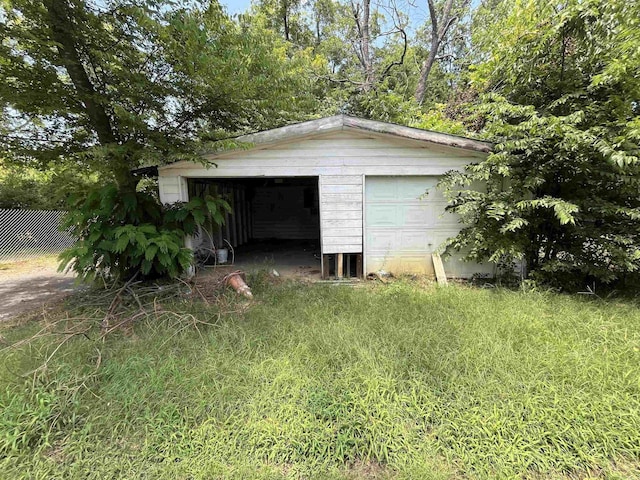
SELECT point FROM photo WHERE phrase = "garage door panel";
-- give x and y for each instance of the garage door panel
(417, 215)
(419, 263)
(381, 240)
(403, 227)
(409, 188)
(382, 215)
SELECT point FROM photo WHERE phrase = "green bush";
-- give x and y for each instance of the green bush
(122, 235)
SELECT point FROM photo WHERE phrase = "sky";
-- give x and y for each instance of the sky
(235, 6)
(418, 10)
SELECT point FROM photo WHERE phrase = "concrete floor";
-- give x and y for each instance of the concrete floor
(290, 258)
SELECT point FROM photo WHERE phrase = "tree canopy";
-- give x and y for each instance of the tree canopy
(117, 82)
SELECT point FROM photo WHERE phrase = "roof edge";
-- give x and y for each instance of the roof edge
(325, 124)
(338, 122)
(417, 134)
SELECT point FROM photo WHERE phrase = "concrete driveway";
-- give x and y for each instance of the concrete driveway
(29, 284)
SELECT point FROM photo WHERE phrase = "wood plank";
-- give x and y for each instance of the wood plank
(300, 170)
(339, 265)
(417, 134)
(245, 216)
(342, 249)
(328, 189)
(342, 215)
(347, 223)
(359, 272)
(337, 207)
(227, 228)
(342, 232)
(342, 197)
(325, 266)
(439, 269)
(303, 153)
(342, 240)
(282, 133)
(341, 180)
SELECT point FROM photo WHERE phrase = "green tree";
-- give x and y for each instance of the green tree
(48, 189)
(122, 82)
(562, 184)
(119, 83)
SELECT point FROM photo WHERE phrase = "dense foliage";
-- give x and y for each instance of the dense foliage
(562, 184)
(123, 235)
(49, 189)
(114, 85)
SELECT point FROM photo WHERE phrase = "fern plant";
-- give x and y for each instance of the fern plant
(126, 234)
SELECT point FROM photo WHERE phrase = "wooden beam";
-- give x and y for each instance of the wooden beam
(325, 267)
(439, 269)
(339, 265)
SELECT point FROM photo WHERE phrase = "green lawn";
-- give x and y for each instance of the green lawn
(383, 381)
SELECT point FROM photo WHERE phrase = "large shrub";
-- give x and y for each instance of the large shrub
(127, 234)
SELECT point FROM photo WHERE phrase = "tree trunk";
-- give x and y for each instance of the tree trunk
(64, 33)
(421, 89)
(285, 19)
(439, 28)
(366, 46)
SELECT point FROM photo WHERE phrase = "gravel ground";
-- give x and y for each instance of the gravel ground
(30, 284)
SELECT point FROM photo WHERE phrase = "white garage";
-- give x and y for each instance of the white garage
(361, 194)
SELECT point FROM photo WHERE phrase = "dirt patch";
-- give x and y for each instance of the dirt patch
(30, 284)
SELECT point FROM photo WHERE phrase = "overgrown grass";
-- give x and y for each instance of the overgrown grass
(391, 381)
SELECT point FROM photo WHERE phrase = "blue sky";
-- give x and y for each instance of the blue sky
(235, 6)
(417, 10)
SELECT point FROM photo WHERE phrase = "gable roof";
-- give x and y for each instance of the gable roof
(345, 122)
(335, 123)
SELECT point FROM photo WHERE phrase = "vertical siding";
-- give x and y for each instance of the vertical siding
(341, 213)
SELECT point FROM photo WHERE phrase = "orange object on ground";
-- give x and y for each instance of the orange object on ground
(236, 281)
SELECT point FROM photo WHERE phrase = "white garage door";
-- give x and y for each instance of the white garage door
(403, 226)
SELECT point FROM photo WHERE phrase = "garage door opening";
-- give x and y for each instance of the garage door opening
(275, 224)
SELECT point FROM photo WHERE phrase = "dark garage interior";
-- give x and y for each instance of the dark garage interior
(275, 224)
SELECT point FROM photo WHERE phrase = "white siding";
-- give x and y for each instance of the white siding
(339, 153)
(341, 159)
(341, 213)
(172, 189)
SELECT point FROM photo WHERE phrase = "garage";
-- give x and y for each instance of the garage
(402, 228)
(349, 191)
